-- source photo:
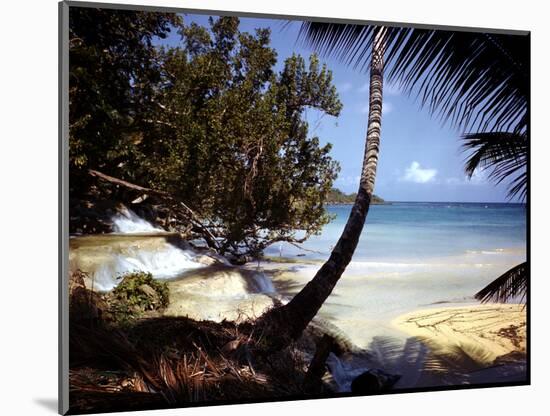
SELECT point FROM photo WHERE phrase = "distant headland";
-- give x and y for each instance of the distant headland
(337, 197)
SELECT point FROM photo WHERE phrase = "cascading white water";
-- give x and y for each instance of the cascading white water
(129, 249)
(126, 221)
(138, 246)
(264, 283)
(163, 262)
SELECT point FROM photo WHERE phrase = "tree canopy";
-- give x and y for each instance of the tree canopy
(209, 121)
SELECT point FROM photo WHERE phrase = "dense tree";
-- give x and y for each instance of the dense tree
(336, 196)
(210, 122)
(229, 136)
(113, 73)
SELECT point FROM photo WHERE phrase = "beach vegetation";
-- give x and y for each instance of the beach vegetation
(211, 123)
(511, 285)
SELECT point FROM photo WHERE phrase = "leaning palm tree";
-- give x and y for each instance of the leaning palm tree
(284, 324)
(477, 81)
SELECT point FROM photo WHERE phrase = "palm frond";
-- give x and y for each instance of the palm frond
(509, 285)
(504, 154)
(478, 81)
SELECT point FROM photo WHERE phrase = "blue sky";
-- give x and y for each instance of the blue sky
(420, 158)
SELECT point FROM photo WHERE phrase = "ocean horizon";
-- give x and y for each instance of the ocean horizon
(421, 230)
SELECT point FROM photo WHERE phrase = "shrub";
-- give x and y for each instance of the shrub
(137, 293)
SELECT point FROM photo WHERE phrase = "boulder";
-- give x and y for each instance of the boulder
(150, 293)
(84, 304)
(373, 381)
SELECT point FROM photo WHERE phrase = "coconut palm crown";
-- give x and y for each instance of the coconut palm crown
(478, 82)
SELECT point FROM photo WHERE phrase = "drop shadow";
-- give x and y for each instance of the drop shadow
(49, 404)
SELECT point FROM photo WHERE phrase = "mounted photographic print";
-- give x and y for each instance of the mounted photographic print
(266, 208)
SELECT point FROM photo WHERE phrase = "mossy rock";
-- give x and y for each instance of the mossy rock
(136, 294)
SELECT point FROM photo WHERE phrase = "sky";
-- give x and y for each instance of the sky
(420, 157)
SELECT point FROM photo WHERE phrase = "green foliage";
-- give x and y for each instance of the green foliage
(137, 292)
(503, 154)
(222, 131)
(336, 196)
(112, 77)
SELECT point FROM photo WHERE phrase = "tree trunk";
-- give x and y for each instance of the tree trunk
(313, 380)
(282, 325)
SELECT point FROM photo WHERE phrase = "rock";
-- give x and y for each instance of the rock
(205, 259)
(84, 304)
(150, 293)
(373, 381)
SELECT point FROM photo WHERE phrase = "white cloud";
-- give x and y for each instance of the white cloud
(415, 173)
(346, 86)
(479, 177)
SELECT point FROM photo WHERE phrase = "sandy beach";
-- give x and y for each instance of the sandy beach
(470, 344)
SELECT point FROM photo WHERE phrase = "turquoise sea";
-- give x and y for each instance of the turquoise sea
(411, 255)
(415, 231)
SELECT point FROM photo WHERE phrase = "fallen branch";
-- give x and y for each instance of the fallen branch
(208, 236)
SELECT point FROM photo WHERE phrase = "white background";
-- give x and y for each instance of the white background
(28, 204)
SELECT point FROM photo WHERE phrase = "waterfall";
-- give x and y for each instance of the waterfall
(164, 261)
(126, 221)
(264, 283)
(138, 246)
(108, 256)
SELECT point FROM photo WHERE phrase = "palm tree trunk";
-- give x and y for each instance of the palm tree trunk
(284, 324)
